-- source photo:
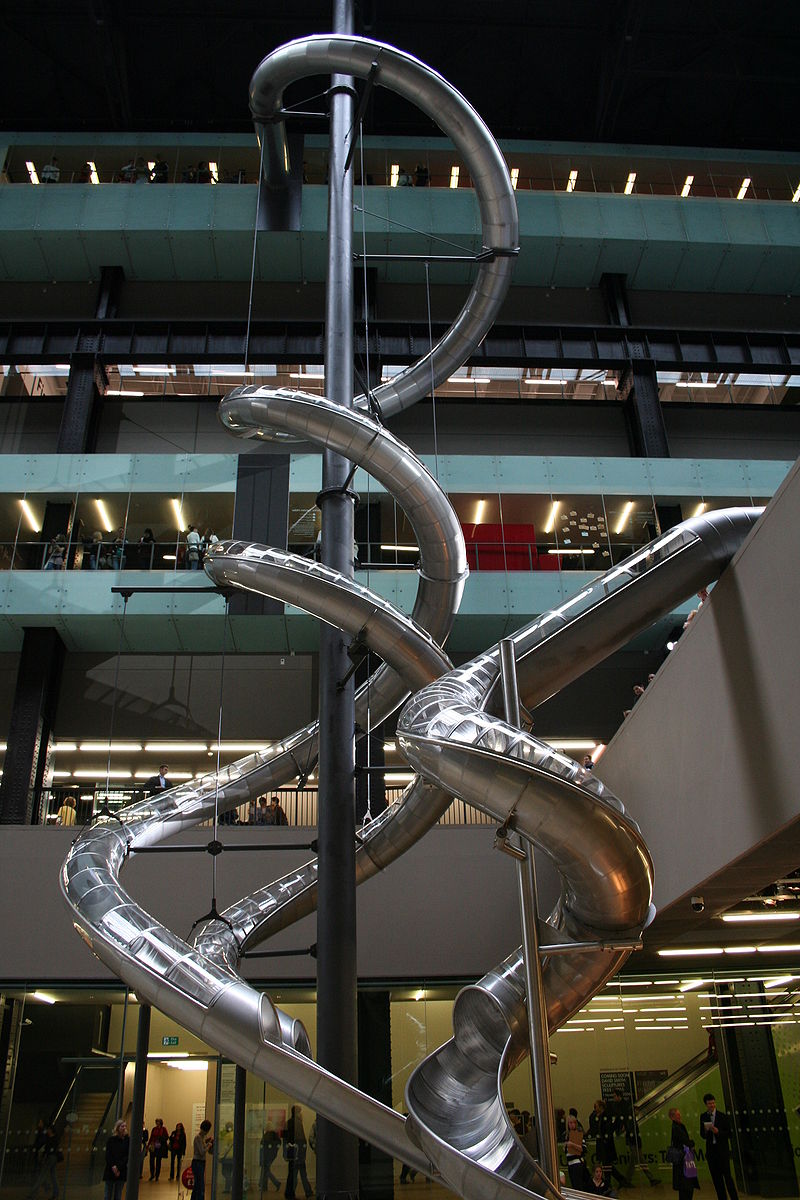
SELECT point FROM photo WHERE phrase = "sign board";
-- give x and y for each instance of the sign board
(616, 1081)
(169, 1041)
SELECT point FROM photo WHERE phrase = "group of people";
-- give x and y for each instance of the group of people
(157, 1144)
(114, 553)
(616, 1117)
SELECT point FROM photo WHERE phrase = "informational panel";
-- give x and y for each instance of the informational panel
(616, 1081)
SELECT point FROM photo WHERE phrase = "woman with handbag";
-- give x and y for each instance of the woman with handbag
(679, 1154)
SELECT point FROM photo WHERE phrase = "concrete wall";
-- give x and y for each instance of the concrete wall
(447, 909)
(707, 761)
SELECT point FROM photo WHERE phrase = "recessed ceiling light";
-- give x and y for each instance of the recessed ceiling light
(515, 178)
(687, 187)
(454, 174)
(743, 189)
(750, 917)
(630, 182)
(573, 179)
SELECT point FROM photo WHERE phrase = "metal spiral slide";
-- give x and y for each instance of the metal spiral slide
(448, 731)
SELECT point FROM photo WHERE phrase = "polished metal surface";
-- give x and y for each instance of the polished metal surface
(448, 731)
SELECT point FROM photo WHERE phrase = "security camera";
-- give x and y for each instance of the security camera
(698, 903)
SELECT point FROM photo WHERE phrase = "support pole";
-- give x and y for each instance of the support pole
(537, 1005)
(121, 1077)
(239, 1102)
(137, 1108)
(337, 1151)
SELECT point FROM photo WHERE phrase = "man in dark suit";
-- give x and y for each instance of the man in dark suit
(158, 783)
(715, 1127)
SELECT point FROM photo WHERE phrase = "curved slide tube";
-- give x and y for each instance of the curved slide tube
(448, 732)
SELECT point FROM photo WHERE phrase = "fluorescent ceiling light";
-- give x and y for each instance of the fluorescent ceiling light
(389, 747)
(44, 997)
(101, 773)
(214, 169)
(394, 546)
(61, 774)
(695, 383)
(551, 382)
(633, 983)
(64, 747)
(777, 947)
(394, 174)
(570, 743)
(749, 917)
(307, 375)
(743, 189)
(630, 182)
(398, 777)
(701, 508)
(154, 370)
(172, 774)
(104, 519)
(690, 951)
(687, 187)
(230, 371)
(238, 747)
(188, 1066)
(151, 164)
(771, 983)
(169, 557)
(92, 171)
(176, 508)
(102, 747)
(740, 949)
(551, 520)
(29, 517)
(481, 505)
(623, 518)
(454, 174)
(796, 195)
(560, 553)
(515, 178)
(34, 178)
(573, 179)
(122, 392)
(168, 1054)
(175, 748)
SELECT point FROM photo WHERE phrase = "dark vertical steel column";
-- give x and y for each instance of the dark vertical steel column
(239, 1104)
(337, 1151)
(30, 730)
(137, 1106)
(537, 1003)
(647, 432)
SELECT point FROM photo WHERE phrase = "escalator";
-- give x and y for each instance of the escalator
(669, 1089)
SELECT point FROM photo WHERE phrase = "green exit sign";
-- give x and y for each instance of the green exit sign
(169, 1041)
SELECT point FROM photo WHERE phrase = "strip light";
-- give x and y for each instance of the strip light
(551, 520)
(701, 508)
(104, 520)
(623, 519)
(454, 174)
(687, 187)
(92, 171)
(515, 178)
(397, 546)
(743, 189)
(34, 178)
(573, 179)
(751, 917)
(29, 517)
(121, 392)
(175, 748)
(394, 175)
(43, 997)
(631, 181)
(114, 747)
(479, 511)
(214, 169)
(579, 552)
(176, 507)
(796, 195)
(690, 951)
(692, 383)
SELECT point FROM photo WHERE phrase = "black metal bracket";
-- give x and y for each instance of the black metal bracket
(213, 914)
(362, 108)
(126, 592)
(230, 849)
(343, 490)
(312, 950)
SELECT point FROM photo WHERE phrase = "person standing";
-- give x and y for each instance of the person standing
(680, 1140)
(715, 1127)
(294, 1151)
(606, 1150)
(158, 783)
(48, 1163)
(116, 1169)
(193, 549)
(203, 1145)
(277, 814)
(177, 1149)
(157, 1146)
(270, 1144)
(574, 1151)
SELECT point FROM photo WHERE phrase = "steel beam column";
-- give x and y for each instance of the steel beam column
(137, 1107)
(337, 1047)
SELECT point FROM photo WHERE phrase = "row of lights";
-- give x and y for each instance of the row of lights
(33, 174)
(102, 512)
(573, 179)
(627, 509)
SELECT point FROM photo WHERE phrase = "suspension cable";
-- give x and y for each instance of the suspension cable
(253, 262)
(115, 695)
(219, 752)
(430, 359)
